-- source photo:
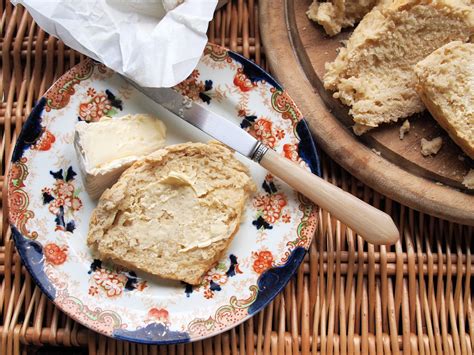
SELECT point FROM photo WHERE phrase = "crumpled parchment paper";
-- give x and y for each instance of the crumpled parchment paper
(156, 43)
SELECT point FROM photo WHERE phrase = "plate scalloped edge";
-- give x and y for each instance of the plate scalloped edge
(270, 282)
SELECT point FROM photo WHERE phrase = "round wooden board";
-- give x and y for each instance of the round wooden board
(297, 50)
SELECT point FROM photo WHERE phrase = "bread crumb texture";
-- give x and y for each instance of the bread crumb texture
(173, 213)
(337, 14)
(374, 73)
(404, 129)
(431, 147)
(468, 180)
(446, 86)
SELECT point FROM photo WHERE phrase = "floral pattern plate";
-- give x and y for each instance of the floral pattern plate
(49, 209)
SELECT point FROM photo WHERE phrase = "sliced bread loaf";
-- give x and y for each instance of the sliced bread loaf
(174, 213)
(446, 87)
(374, 73)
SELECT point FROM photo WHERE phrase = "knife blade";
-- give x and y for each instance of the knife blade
(372, 224)
(207, 121)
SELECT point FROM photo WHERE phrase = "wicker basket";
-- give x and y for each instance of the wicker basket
(347, 297)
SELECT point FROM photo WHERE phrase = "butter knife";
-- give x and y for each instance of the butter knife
(373, 225)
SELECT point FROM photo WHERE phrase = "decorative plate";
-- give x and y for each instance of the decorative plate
(49, 209)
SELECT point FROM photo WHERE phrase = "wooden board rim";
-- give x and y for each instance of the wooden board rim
(382, 175)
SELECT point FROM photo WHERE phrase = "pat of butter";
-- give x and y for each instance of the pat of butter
(107, 147)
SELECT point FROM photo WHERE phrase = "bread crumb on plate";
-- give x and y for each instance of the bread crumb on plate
(468, 180)
(404, 129)
(431, 147)
(376, 151)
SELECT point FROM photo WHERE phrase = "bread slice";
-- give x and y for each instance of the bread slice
(173, 213)
(337, 14)
(446, 87)
(374, 73)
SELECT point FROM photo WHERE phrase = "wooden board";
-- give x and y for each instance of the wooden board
(297, 50)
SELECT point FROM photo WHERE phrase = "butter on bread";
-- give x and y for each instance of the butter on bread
(109, 146)
(337, 14)
(446, 87)
(374, 73)
(173, 213)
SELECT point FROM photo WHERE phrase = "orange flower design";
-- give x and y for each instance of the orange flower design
(111, 282)
(62, 199)
(263, 132)
(242, 81)
(191, 87)
(271, 206)
(263, 260)
(91, 92)
(217, 277)
(291, 152)
(280, 134)
(73, 203)
(93, 290)
(95, 109)
(159, 315)
(269, 177)
(63, 189)
(54, 205)
(208, 294)
(54, 254)
(45, 141)
(141, 285)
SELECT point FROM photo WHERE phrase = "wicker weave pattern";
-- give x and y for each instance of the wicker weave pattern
(348, 296)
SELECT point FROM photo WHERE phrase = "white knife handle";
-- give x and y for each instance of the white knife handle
(373, 225)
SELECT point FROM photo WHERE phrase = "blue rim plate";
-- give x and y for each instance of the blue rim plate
(49, 210)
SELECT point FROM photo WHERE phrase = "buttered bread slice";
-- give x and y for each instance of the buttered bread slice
(446, 86)
(374, 73)
(173, 213)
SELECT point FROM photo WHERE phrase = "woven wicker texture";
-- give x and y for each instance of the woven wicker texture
(347, 297)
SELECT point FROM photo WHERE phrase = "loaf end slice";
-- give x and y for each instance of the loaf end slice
(446, 87)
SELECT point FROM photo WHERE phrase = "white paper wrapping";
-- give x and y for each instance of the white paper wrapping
(157, 43)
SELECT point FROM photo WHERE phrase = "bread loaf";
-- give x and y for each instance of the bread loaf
(374, 73)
